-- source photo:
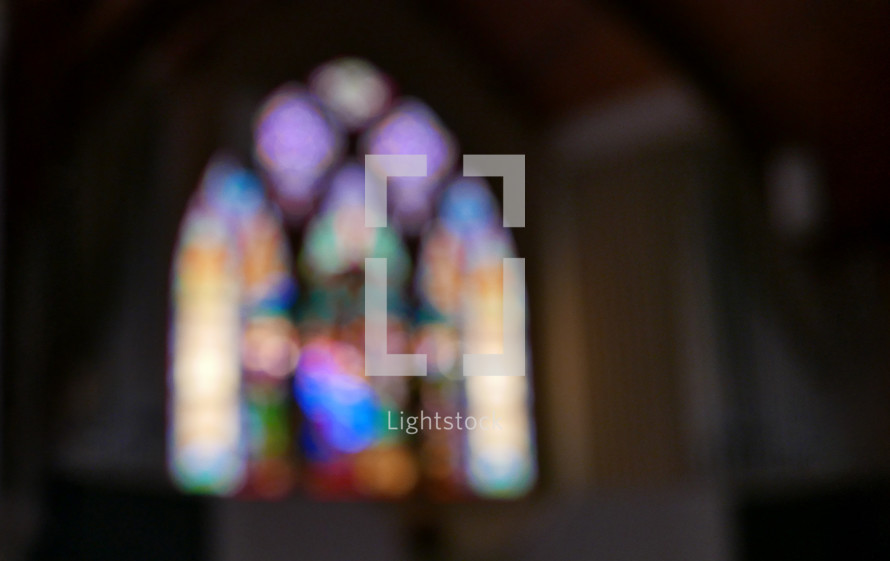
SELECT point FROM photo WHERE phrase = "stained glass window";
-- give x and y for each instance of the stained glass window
(267, 385)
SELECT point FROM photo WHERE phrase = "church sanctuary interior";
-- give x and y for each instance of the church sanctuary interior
(455, 280)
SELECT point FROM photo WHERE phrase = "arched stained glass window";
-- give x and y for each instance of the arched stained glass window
(234, 345)
(461, 280)
(206, 448)
(267, 385)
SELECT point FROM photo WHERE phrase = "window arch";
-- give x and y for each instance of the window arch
(267, 389)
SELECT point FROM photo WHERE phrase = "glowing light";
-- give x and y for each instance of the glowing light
(231, 340)
(461, 281)
(296, 143)
(353, 89)
(206, 448)
(413, 128)
(500, 463)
